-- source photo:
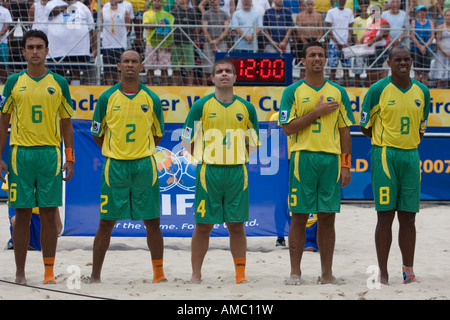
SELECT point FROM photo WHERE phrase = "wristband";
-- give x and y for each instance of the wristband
(346, 160)
(70, 155)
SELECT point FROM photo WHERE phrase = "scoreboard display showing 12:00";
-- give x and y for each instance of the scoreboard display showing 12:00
(270, 69)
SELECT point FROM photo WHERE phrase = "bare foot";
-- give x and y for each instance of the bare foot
(195, 280)
(21, 280)
(294, 280)
(94, 280)
(329, 280)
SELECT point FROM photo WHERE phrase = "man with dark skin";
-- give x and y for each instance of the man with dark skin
(393, 116)
(129, 188)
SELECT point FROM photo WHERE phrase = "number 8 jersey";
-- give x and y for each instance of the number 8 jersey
(36, 105)
(396, 115)
(129, 122)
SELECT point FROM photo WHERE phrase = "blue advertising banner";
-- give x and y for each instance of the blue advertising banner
(268, 177)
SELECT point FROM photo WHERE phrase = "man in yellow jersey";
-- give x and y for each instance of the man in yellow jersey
(394, 115)
(316, 113)
(221, 130)
(128, 124)
(38, 104)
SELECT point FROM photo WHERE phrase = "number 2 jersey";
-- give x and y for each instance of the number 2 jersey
(36, 105)
(128, 122)
(397, 116)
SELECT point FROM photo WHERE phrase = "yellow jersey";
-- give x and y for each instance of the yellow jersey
(128, 122)
(36, 106)
(323, 134)
(223, 130)
(397, 116)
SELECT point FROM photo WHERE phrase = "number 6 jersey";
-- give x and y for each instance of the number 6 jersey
(396, 115)
(36, 105)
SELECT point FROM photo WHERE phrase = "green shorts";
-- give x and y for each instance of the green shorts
(395, 179)
(130, 190)
(35, 178)
(221, 194)
(314, 182)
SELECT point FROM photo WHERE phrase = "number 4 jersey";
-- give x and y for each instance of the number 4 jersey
(397, 116)
(36, 105)
(128, 122)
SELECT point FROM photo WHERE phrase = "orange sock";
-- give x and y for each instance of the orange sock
(48, 273)
(239, 265)
(158, 272)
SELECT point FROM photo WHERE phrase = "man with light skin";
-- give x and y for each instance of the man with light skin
(242, 22)
(35, 154)
(227, 124)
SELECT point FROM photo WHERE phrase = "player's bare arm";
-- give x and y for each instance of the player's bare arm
(346, 148)
(366, 131)
(67, 131)
(157, 140)
(99, 141)
(4, 123)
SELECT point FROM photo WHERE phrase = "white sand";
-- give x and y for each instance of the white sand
(127, 271)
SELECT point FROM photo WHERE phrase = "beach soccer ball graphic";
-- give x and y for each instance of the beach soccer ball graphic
(188, 170)
(169, 168)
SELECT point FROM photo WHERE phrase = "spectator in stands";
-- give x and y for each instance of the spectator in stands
(38, 16)
(215, 37)
(278, 16)
(5, 20)
(360, 25)
(443, 55)
(377, 35)
(422, 36)
(73, 39)
(183, 46)
(322, 7)
(397, 21)
(229, 6)
(242, 22)
(159, 41)
(430, 6)
(114, 38)
(311, 24)
(340, 19)
(260, 6)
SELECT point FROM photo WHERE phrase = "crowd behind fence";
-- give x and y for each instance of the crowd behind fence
(85, 46)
